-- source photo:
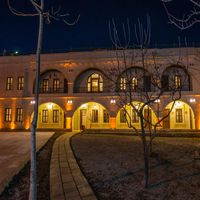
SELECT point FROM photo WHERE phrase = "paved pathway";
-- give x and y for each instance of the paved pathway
(15, 153)
(66, 180)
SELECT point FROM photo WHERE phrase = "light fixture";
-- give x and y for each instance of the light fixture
(95, 107)
(49, 106)
(69, 101)
(113, 101)
(178, 104)
(32, 102)
(157, 101)
(84, 106)
(192, 100)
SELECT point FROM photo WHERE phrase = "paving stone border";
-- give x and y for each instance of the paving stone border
(66, 179)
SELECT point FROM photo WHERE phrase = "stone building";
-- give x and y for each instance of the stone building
(75, 91)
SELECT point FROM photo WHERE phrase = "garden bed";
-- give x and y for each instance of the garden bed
(113, 166)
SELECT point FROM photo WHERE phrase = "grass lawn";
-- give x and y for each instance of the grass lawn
(114, 167)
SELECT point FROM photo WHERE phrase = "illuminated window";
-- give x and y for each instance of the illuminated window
(45, 85)
(122, 116)
(177, 82)
(106, 116)
(94, 116)
(44, 116)
(19, 115)
(55, 116)
(56, 84)
(9, 83)
(134, 83)
(135, 118)
(20, 84)
(95, 83)
(8, 115)
(179, 115)
(122, 84)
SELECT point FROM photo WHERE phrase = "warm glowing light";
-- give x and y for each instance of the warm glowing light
(95, 107)
(27, 123)
(69, 101)
(113, 101)
(192, 100)
(68, 123)
(83, 106)
(32, 102)
(12, 125)
(178, 104)
(157, 101)
(50, 106)
(112, 122)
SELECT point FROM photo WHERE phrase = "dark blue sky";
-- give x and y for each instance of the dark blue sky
(20, 33)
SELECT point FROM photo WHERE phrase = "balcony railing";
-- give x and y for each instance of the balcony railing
(52, 90)
(85, 90)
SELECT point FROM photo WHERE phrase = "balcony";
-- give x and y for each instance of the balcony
(85, 90)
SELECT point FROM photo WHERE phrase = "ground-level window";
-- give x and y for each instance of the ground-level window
(135, 118)
(44, 116)
(94, 116)
(106, 116)
(8, 115)
(122, 116)
(55, 116)
(179, 115)
(19, 115)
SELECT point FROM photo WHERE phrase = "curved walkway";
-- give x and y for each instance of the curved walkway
(66, 179)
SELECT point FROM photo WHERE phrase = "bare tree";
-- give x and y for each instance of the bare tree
(187, 20)
(139, 84)
(47, 16)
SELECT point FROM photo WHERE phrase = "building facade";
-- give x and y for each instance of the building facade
(75, 91)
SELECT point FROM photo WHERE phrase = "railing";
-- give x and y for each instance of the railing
(136, 90)
(52, 90)
(85, 90)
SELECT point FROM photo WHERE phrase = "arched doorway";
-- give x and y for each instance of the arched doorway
(130, 116)
(181, 116)
(50, 115)
(91, 115)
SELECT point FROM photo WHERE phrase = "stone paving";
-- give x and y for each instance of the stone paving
(66, 179)
(15, 153)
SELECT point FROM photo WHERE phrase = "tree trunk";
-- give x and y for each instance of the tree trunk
(145, 153)
(33, 173)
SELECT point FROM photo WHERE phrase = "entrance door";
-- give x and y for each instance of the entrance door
(83, 119)
(147, 118)
(166, 121)
(191, 125)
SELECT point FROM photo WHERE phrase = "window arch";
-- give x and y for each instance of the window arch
(95, 83)
(176, 77)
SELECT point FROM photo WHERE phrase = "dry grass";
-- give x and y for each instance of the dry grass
(114, 167)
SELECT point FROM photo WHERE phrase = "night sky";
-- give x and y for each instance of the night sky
(20, 33)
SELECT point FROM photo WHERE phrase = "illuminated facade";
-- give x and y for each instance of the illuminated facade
(75, 92)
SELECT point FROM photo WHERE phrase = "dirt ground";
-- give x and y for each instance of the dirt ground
(19, 187)
(113, 166)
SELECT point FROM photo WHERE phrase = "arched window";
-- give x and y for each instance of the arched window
(134, 83)
(95, 83)
(175, 78)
